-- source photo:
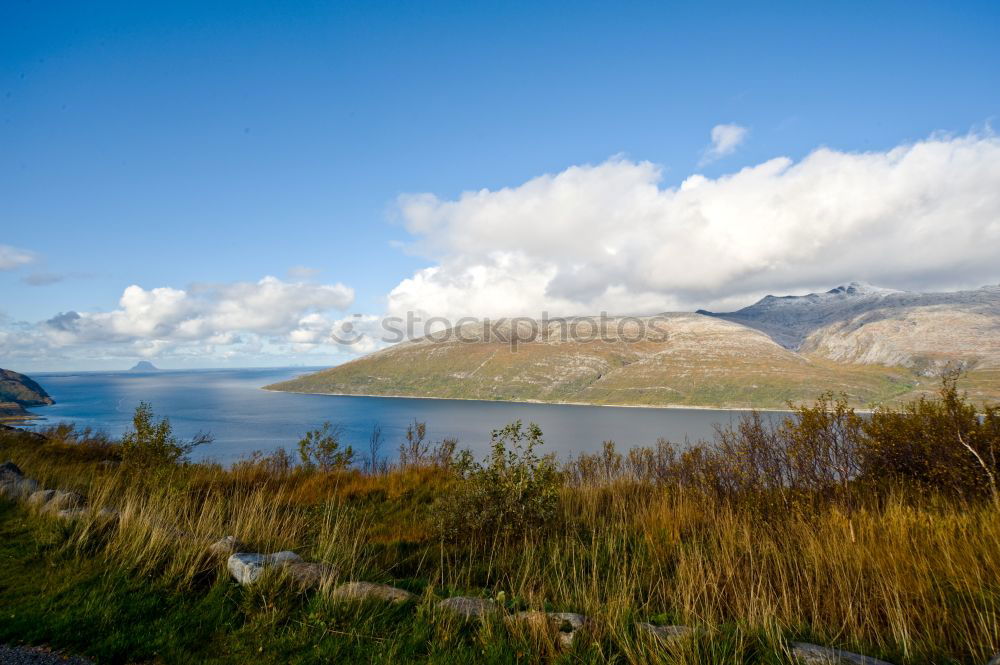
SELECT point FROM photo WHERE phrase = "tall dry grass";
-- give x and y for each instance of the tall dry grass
(697, 538)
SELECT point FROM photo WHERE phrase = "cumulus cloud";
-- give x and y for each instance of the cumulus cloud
(12, 257)
(725, 140)
(612, 237)
(203, 319)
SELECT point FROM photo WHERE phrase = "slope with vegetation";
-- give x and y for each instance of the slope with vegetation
(875, 345)
(879, 534)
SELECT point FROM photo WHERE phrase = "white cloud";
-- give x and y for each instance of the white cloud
(611, 237)
(204, 319)
(12, 257)
(725, 140)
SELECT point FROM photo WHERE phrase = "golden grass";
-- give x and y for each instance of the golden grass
(915, 580)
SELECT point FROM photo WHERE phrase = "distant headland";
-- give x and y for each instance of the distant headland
(144, 366)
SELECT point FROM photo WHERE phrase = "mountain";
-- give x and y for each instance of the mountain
(876, 345)
(22, 390)
(144, 366)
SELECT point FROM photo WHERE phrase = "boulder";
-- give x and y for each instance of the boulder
(40, 497)
(225, 547)
(70, 514)
(63, 500)
(371, 591)
(16, 487)
(247, 567)
(308, 575)
(814, 654)
(467, 607)
(9, 469)
(664, 633)
(562, 627)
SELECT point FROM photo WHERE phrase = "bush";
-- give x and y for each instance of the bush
(321, 448)
(151, 444)
(512, 493)
(937, 445)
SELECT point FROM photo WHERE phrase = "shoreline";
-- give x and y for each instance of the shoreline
(672, 407)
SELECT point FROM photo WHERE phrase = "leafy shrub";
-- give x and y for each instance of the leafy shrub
(150, 444)
(512, 493)
(321, 448)
(940, 445)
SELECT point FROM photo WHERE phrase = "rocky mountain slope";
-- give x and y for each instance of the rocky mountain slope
(20, 389)
(874, 344)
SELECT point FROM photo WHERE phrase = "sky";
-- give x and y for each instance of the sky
(229, 184)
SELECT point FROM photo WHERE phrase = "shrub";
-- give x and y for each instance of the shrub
(321, 448)
(937, 445)
(511, 494)
(151, 444)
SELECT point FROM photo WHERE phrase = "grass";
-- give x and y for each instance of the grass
(910, 577)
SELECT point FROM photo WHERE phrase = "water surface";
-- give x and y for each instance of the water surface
(230, 404)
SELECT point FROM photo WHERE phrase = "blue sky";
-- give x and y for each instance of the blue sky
(165, 145)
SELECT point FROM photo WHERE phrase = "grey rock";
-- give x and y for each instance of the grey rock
(70, 514)
(40, 497)
(564, 627)
(24, 655)
(664, 633)
(814, 654)
(226, 547)
(995, 660)
(16, 487)
(247, 567)
(467, 607)
(308, 575)
(369, 590)
(63, 500)
(8, 469)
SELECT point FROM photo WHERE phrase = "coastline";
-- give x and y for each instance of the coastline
(672, 407)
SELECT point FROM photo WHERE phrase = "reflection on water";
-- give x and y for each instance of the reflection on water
(230, 405)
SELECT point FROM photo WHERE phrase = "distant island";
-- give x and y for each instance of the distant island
(144, 366)
(18, 391)
(876, 345)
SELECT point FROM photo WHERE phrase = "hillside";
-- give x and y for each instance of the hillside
(20, 389)
(701, 362)
(874, 344)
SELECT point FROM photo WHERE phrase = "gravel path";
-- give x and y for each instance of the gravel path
(36, 656)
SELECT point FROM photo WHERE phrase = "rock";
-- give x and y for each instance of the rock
(16, 487)
(371, 591)
(40, 497)
(564, 627)
(226, 547)
(664, 633)
(108, 514)
(995, 660)
(308, 574)
(70, 514)
(63, 500)
(247, 567)
(9, 469)
(467, 607)
(814, 654)
(285, 557)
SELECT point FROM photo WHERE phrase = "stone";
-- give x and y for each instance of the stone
(108, 514)
(40, 497)
(285, 557)
(308, 574)
(247, 567)
(995, 660)
(16, 487)
(70, 514)
(226, 547)
(664, 633)
(63, 500)
(9, 469)
(467, 607)
(564, 627)
(814, 654)
(371, 591)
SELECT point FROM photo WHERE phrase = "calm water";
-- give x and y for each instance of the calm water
(230, 405)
